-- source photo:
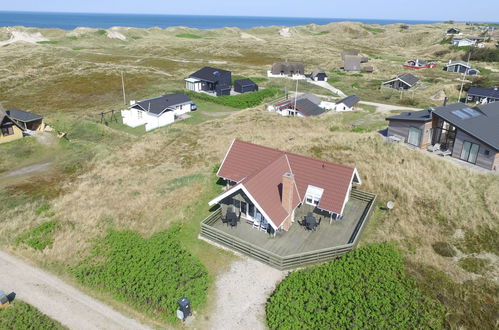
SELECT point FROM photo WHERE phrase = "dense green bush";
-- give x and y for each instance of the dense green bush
(150, 274)
(482, 54)
(365, 289)
(240, 101)
(21, 316)
(40, 237)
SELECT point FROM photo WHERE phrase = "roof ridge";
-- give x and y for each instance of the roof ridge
(292, 154)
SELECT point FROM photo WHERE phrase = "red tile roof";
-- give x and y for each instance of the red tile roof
(260, 169)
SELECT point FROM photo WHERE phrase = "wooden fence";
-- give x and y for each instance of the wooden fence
(289, 261)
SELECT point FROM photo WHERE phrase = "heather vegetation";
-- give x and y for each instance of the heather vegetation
(152, 274)
(22, 316)
(366, 289)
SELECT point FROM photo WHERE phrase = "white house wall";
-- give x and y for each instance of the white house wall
(154, 121)
(181, 109)
(133, 118)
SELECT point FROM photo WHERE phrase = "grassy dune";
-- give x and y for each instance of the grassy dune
(110, 177)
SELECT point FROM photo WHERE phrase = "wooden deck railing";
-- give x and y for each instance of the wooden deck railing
(289, 261)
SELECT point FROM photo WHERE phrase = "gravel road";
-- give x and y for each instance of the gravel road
(57, 299)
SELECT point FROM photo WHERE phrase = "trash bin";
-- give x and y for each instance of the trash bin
(184, 308)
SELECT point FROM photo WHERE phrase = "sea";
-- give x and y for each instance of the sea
(70, 21)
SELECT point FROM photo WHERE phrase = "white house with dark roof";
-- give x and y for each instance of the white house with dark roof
(304, 105)
(347, 104)
(157, 112)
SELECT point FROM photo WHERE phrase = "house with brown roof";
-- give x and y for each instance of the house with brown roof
(272, 187)
(294, 70)
(278, 205)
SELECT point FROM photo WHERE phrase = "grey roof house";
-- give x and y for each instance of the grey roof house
(347, 104)
(483, 95)
(305, 105)
(210, 80)
(318, 75)
(352, 63)
(245, 85)
(158, 111)
(401, 82)
(26, 120)
(470, 134)
(461, 67)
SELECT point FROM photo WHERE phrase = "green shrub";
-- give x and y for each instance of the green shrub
(356, 85)
(216, 168)
(42, 208)
(482, 54)
(373, 30)
(474, 265)
(21, 316)
(101, 32)
(334, 128)
(365, 289)
(48, 42)
(188, 36)
(151, 274)
(40, 237)
(240, 101)
(444, 249)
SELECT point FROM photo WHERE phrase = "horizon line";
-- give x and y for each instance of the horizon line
(236, 15)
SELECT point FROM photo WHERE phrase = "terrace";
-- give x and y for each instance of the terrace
(297, 247)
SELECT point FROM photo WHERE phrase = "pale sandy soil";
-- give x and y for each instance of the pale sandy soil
(241, 294)
(16, 36)
(57, 299)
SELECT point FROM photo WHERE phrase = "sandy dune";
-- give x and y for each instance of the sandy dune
(17, 36)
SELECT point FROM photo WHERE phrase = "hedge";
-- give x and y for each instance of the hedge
(365, 289)
(150, 274)
(240, 101)
(21, 316)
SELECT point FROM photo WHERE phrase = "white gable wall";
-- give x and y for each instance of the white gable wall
(135, 117)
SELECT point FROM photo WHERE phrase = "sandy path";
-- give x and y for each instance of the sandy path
(384, 108)
(36, 168)
(241, 294)
(57, 299)
(326, 85)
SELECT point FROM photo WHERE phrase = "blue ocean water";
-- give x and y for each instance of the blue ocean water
(70, 21)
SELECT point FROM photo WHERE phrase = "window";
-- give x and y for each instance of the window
(487, 152)
(414, 136)
(6, 131)
(313, 195)
(139, 114)
(470, 152)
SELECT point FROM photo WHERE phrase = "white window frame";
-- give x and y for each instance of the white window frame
(313, 195)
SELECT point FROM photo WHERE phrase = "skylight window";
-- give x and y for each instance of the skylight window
(472, 112)
(460, 114)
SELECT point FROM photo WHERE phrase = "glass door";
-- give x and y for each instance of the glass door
(470, 152)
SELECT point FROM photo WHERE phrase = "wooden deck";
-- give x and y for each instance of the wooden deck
(296, 247)
(298, 239)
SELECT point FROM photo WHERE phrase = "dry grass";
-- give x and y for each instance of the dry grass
(146, 183)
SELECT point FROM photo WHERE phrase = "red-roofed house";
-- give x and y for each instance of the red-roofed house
(272, 187)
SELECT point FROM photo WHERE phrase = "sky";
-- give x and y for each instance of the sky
(459, 10)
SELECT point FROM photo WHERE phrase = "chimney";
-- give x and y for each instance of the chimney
(288, 182)
(446, 99)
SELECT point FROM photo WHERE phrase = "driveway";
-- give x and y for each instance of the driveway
(326, 85)
(57, 299)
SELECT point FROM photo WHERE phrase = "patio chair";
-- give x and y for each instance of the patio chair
(433, 148)
(256, 223)
(264, 225)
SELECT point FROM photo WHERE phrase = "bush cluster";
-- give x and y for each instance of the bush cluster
(40, 237)
(152, 274)
(20, 315)
(482, 54)
(365, 289)
(240, 101)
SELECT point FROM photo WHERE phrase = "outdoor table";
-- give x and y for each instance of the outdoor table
(310, 222)
(231, 218)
